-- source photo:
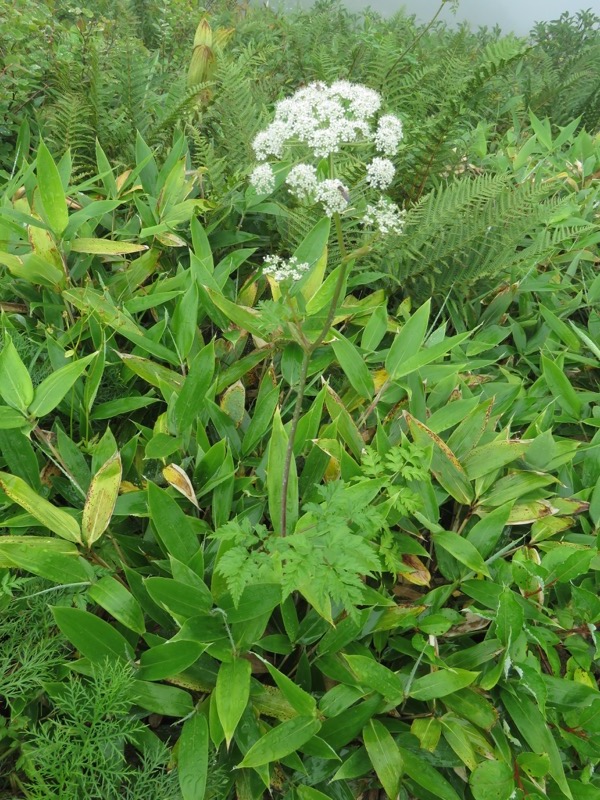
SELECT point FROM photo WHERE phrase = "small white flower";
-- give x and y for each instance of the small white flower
(263, 179)
(385, 216)
(388, 134)
(333, 195)
(380, 173)
(271, 141)
(302, 180)
(281, 269)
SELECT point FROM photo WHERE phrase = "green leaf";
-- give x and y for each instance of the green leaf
(308, 793)
(423, 774)
(190, 403)
(232, 693)
(492, 456)
(101, 500)
(93, 637)
(54, 559)
(53, 389)
(170, 658)
(10, 418)
(164, 700)
(280, 741)
(113, 597)
(192, 758)
(313, 246)
(509, 617)
(462, 550)
(533, 728)
(16, 387)
(561, 388)
(353, 365)
(428, 354)
(440, 683)
(185, 321)
(276, 460)
(486, 533)
(445, 466)
(408, 341)
(385, 756)
(55, 519)
(303, 702)
(492, 780)
(376, 676)
(51, 191)
(106, 247)
(179, 599)
(173, 528)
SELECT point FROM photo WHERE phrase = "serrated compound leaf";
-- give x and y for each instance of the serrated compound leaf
(232, 693)
(385, 756)
(55, 519)
(101, 500)
(192, 758)
(280, 741)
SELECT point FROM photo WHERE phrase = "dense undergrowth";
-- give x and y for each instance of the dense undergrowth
(330, 537)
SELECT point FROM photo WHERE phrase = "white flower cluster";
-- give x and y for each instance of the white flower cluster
(388, 135)
(321, 117)
(333, 195)
(385, 216)
(380, 173)
(302, 180)
(280, 269)
(263, 179)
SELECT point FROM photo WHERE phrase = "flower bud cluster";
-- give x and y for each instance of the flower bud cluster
(280, 269)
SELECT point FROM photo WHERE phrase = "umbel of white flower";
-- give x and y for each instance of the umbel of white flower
(280, 269)
(320, 120)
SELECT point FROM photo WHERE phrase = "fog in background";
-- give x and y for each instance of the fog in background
(512, 15)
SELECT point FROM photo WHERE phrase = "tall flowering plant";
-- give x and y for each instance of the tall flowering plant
(312, 133)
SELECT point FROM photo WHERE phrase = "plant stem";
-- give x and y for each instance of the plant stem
(415, 40)
(308, 352)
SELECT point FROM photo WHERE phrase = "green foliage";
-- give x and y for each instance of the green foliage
(414, 611)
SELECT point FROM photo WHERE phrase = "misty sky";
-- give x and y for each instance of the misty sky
(515, 15)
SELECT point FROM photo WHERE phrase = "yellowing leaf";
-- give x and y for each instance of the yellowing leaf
(233, 402)
(55, 519)
(417, 572)
(178, 479)
(101, 498)
(106, 247)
